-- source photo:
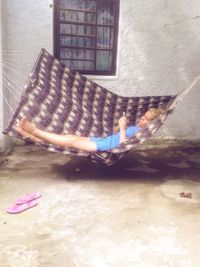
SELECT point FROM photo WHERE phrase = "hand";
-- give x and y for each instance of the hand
(122, 122)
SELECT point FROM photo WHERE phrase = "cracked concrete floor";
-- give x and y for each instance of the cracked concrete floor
(127, 215)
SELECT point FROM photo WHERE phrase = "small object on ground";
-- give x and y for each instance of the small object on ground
(186, 195)
(27, 198)
(3, 162)
(19, 208)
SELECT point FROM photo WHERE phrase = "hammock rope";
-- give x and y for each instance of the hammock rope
(10, 81)
(182, 94)
(13, 70)
(11, 85)
(60, 100)
(8, 88)
(7, 103)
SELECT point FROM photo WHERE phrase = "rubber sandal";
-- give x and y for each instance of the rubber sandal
(19, 208)
(27, 198)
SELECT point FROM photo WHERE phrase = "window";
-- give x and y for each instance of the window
(85, 35)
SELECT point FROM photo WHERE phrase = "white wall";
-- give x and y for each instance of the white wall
(29, 26)
(26, 28)
(1, 88)
(158, 51)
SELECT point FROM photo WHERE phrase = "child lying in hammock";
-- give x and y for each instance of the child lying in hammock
(89, 144)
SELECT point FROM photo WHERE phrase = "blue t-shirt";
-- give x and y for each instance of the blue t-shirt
(112, 141)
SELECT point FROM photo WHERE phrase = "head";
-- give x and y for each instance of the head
(149, 116)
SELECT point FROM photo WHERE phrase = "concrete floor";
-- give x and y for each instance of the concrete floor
(127, 215)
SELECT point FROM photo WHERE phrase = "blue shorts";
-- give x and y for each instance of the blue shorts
(112, 141)
(102, 144)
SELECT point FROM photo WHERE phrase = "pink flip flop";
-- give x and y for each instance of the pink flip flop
(19, 208)
(27, 198)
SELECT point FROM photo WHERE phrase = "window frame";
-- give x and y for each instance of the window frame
(57, 46)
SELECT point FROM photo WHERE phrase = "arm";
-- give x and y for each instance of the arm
(122, 127)
(122, 136)
(116, 129)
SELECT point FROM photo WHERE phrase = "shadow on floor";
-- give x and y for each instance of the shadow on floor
(143, 164)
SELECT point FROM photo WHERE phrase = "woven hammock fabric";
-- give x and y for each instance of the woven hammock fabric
(59, 100)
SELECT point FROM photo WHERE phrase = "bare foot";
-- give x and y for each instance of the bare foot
(27, 126)
(19, 130)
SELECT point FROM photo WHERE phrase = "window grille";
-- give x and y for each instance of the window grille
(85, 35)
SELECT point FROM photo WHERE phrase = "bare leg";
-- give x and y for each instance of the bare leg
(27, 135)
(73, 141)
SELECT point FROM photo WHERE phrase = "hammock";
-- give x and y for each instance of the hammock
(59, 100)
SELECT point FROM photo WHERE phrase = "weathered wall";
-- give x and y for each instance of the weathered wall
(27, 27)
(1, 89)
(158, 51)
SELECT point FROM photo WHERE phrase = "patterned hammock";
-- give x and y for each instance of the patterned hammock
(60, 100)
